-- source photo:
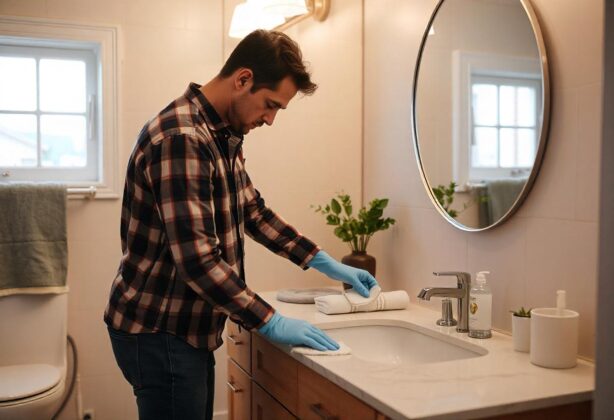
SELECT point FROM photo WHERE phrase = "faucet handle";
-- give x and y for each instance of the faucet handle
(463, 279)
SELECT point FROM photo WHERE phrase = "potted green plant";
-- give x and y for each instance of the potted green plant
(356, 231)
(521, 329)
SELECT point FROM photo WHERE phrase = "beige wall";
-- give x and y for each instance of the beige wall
(162, 49)
(314, 150)
(551, 243)
(314, 147)
(311, 151)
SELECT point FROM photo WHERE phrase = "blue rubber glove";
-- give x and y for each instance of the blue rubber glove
(297, 332)
(361, 280)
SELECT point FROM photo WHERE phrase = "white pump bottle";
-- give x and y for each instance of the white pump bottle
(480, 308)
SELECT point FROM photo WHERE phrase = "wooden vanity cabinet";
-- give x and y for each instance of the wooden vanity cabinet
(239, 381)
(265, 407)
(321, 399)
(264, 383)
(239, 392)
(271, 385)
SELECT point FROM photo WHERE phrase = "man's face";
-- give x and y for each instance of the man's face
(250, 110)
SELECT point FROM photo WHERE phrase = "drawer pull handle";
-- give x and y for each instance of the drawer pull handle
(322, 413)
(234, 341)
(233, 388)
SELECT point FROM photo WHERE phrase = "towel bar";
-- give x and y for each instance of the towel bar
(87, 192)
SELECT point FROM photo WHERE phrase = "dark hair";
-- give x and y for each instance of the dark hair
(271, 56)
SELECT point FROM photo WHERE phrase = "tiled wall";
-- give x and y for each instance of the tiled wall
(311, 151)
(162, 49)
(314, 150)
(551, 243)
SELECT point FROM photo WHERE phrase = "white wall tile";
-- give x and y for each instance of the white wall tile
(93, 220)
(588, 152)
(551, 242)
(502, 252)
(23, 8)
(552, 194)
(156, 13)
(92, 266)
(111, 12)
(90, 334)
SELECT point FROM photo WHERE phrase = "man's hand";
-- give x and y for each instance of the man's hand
(297, 332)
(361, 280)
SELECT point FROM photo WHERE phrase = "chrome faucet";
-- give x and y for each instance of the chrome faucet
(461, 293)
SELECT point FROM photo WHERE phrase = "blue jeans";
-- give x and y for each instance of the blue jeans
(171, 379)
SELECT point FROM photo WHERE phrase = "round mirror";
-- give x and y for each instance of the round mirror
(480, 109)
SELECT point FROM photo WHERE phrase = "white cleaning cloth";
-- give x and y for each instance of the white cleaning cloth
(342, 351)
(351, 301)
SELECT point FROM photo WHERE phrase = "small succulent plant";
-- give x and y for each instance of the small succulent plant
(522, 312)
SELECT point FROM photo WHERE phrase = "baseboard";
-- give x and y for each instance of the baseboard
(221, 415)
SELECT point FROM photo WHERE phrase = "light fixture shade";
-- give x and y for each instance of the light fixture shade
(285, 8)
(248, 17)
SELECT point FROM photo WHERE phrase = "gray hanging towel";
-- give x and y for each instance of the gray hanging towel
(502, 194)
(33, 250)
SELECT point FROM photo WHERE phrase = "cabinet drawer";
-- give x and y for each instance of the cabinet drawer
(264, 407)
(239, 392)
(321, 399)
(238, 344)
(275, 371)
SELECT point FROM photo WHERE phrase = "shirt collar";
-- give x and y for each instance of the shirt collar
(212, 118)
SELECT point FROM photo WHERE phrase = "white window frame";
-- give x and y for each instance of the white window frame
(466, 64)
(103, 40)
(498, 172)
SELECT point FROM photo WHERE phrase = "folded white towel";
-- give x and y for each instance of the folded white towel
(351, 301)
(343, 350)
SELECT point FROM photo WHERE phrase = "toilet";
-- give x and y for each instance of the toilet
(32, 355)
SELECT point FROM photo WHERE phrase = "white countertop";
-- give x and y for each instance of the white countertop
(500, 382)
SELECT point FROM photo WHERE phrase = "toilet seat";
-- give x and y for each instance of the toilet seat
(23, 381)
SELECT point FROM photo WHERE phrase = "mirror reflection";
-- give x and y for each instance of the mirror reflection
(479, 108)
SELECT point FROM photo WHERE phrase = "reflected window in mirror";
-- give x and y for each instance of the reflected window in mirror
(503, 127)
(480, 114)
(497, 110)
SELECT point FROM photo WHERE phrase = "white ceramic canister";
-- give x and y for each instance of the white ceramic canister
(521, 333)
(554, 337)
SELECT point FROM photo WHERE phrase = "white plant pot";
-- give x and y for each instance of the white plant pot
(521, 333)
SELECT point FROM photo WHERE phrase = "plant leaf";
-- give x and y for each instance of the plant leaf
(335, 206)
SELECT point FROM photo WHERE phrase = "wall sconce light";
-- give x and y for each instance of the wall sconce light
(274, 14)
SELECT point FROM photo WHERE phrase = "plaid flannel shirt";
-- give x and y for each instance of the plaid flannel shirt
(186, 206)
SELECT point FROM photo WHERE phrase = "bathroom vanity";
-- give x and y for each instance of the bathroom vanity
(402, 366)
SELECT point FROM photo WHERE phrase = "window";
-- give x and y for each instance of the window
(496, 112)
(503, 126)
(58, 103)
(47, 112)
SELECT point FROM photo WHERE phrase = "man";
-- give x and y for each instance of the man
(187, 204)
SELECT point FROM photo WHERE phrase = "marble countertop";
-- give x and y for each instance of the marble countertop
(501, 381)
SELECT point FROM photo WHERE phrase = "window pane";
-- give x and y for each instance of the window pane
(507, 105)
(17, 84)
(526, 107)
(62, 84)
(17, 140)
(484, 151)
(526, 147)
(484, 104)
(508, 148)
(63, 140)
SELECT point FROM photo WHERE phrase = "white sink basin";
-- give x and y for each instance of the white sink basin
(395, 345)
